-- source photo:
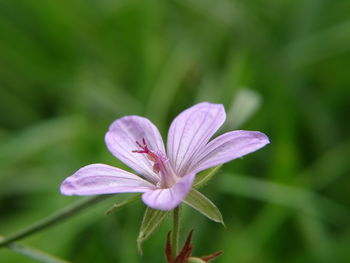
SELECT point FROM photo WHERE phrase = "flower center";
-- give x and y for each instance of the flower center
(161, 165)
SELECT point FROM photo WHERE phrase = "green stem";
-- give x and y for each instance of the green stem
(53, 219)
(34, 253)
(176, 231)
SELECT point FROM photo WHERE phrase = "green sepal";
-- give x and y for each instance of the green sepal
(204, 176)
(150, 222)
(204, 206)
(125, 202)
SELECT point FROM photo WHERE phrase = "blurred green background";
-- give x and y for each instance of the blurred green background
(69, 68)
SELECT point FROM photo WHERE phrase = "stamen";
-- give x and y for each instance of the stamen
(144, 147)
(160, 165)
(150, 155)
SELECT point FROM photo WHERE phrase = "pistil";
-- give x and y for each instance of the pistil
(161, 165)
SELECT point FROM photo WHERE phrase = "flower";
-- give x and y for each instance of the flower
(166, 177)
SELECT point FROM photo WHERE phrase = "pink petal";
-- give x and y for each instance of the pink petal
(169, 198)
(190, 132)
(96, 179)
(121, 142)
(229, 146)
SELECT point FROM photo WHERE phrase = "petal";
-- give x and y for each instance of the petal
(190, 132)
(121, 141)
(103, 179)
(229, 146)
(169, 198)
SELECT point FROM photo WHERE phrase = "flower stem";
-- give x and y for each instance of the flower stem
(34, 253)
(176, 231)
(53, 219)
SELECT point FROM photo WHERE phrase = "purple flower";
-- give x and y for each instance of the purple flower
(166, 176)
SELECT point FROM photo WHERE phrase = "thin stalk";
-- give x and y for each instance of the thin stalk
(176, 231)
(54, 218)
(34, 253)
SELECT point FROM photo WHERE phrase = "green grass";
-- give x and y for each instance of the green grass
(69, 68)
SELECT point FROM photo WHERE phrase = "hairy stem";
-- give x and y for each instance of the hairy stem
(176, 231)
(34, 253)
(53, 219)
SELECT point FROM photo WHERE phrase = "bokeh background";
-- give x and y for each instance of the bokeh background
(69, 68)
